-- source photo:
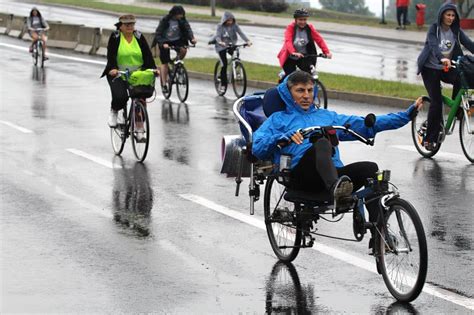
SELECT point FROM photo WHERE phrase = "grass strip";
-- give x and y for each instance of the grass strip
(339, 82)
(124, 8)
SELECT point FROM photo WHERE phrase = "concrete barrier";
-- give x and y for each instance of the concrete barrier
(89, 39)
(5, 21)
(63, 35)
(104, 40)
(17, 26)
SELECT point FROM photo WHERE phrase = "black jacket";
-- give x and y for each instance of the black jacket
(432, 39)
(184, 27)
(112, 48)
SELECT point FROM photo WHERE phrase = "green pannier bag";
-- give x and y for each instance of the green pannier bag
(142, 84)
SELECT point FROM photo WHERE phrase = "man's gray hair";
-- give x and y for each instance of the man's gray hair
(299, 77)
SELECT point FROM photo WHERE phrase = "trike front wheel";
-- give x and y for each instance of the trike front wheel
(403, 253)
(283, 230)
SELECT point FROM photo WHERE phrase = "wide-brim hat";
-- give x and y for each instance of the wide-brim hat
(127, 18)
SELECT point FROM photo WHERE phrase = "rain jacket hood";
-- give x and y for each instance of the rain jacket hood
(227, 15)
(456, 24)
(231, 32)
(281, 125)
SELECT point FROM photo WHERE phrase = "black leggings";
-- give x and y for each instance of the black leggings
(432, 79)
(402, 11)
(303, 63)
(316, 172)
(118, 88)
(223, 57)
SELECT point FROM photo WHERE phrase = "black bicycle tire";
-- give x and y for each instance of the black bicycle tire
(35, 53)
(217, 73)
(322, 88)
(423, 264)
(271, 236)
(124, 135)
(181, 71)
(168, 83)
(461, 137)
(147, 128)
(244, 80)
(41, 48)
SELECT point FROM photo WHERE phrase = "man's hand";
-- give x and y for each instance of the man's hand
(297, 138)
(194, 41)
(419, 103)
(166, 46)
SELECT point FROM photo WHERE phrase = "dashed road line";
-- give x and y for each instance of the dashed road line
(447, 155)
(93, 158)
(14, 126)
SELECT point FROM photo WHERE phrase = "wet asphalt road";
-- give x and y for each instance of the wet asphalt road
(84, 231)
(352, 55)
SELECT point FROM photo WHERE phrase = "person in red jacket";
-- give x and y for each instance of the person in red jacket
(402, 9)
(300, 37)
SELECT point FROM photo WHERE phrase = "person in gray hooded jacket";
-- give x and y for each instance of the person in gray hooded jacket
(443, 44)
(226, 36)
(34, 23)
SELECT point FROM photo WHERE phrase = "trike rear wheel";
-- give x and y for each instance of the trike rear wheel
(283, 230)
(403, 254)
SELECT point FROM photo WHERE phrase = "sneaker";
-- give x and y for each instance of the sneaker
(430, 146)
(141, 137)
(342, 193)
(112, 119)
(222, 89)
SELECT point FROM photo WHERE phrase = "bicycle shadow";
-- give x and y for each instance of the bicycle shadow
(132, 198)
(39, 92)
(284, 293)
(174, 112)
(176, 140)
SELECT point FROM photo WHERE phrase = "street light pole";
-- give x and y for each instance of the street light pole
(213, 7)
(383, 13)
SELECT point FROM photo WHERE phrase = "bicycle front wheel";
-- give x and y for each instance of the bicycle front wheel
(466, 133)
(118, 134)
(321, 99)
(41, 54)
(220, 89)
(35, 54)
(140, 130)
(403, 251)
(239, 79)
(283, 230)
(419, 125)
(166, 89)
(182, 83)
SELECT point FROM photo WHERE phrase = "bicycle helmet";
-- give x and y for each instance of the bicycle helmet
(303, 12)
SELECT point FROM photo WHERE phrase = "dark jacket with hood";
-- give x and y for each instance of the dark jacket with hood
(29, 20)
(112, 49)
(233, 30)
(183, 24)
(433, 38)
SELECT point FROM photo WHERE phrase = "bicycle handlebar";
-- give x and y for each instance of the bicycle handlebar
(127, 73)
(178, 47)
(307, 132)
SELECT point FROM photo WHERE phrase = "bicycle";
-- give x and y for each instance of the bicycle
(235, 73)
(461, 108)
(134, 122)
(38, 48)
(321, 96)
(177, 75)
(399, 242)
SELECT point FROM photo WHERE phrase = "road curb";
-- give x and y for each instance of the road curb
(332, 94)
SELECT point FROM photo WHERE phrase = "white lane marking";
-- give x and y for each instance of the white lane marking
(330, 251)
(439, 154)
(96, 62)
(183, 255)
(19, 128)
(93, 158)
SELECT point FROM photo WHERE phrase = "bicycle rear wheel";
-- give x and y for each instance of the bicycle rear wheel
(118, 134)
(403, 252)
(166, 89)
(283, 230)
(182, 83)
(321, 99)
(419, 125)
(466, 138)
(140, 130)
(220, 89)
(239, 79)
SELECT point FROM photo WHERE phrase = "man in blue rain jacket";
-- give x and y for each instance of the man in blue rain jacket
(316, 165)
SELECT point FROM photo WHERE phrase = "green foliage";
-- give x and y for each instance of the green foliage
(348, 6)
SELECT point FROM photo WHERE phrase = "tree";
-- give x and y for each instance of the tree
(347, 6)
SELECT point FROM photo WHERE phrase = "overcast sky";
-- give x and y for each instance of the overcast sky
(374, 5)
